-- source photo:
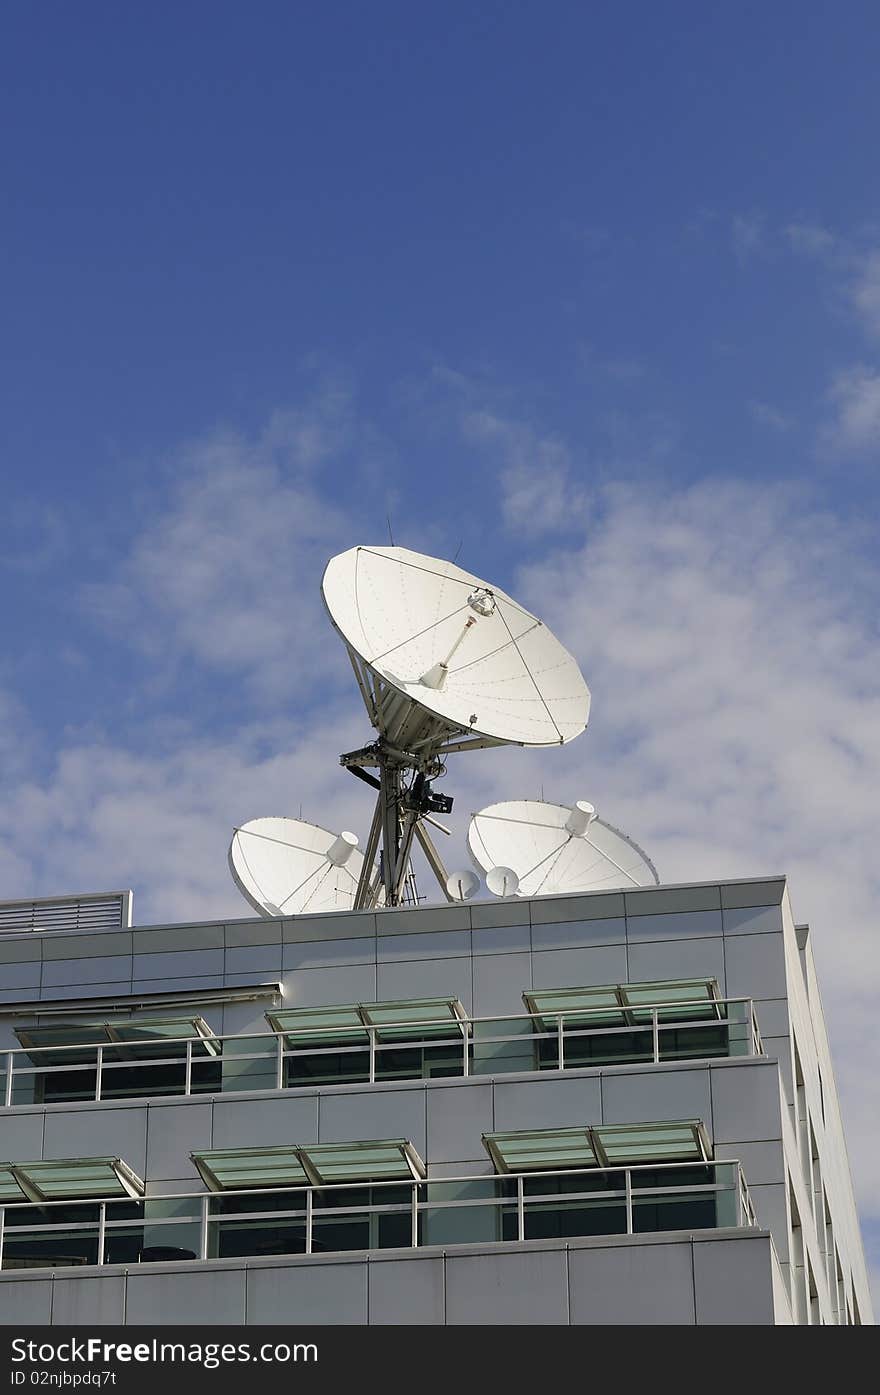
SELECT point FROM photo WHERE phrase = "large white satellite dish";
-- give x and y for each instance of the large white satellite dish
(553, 848)
(444, 662)
(290, 867)
(448, 655)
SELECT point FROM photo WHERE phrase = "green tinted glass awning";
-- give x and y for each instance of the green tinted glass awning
(318, 1164)
(324, 1026)
(231, 1169)
(418, 1018)
(139, 1037)
(540, 1150)
(348, 1024)
(624, 1004)
(608, 1145)
(68, 1178)
(587, 1007)
(381, 1160)
(156, 1036)
(661, 1142)
(10, 1187)
(688, 999)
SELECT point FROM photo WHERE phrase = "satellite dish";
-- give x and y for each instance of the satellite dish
(290, 867)
(461, 886)
(553, 849)
(446, 656)
(502, 881)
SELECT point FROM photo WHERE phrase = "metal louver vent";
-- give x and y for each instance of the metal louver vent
(103, 910)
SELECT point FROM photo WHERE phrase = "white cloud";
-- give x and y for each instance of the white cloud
(539, 491)
(767, 415)
(866, 292)
(747, 235)
(855, 427)
(228, 574)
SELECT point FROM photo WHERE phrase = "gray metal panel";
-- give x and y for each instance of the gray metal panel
(73, 946)
(746, 1102)
(428, 978)
(186, 1297)
(373, 1113)
(573, 934)
(329, 927)
(733, 1281)
(771, 1208)
(15, 995)
(435, 944)
(752, 893)
(347, 983)
(550, 1103)
(422, 919)
(508, 1286)
(275, 1120)
(501, 939)
(261, 932)
(773, 1017)
(21, 1137)
(114, 969)
(656, 1094)
(499, 981)
(598, 906)
(15, 949)
(63, 992)
(173, 1132)
(324, 954)
(107, 1131)
(183, 964)
(316, 1291)
(752, 920)
(668, 959)
(407, 1291)
(632, 1283)
(677, 925)
(458, 1115)
(81, 1301)
(21, 975)
(184, 985)
(665, 900)
(489, 913)
(253, 959)
(756, 966)
(579, 968)
(25, 1302)
(179, 939)
(761, 1162)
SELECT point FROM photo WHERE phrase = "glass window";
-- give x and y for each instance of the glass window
(541, 1149)
(380, 1160)
(608, 1146)
(233, 1168)
(75, 1177)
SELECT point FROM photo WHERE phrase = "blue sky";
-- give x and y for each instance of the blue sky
(590, 293)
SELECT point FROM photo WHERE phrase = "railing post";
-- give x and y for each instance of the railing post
(98, 1070)
(102, 1223)
(655, 1029)
(520, 1208)
(414, 1236)
(187, 1088)
(629, 1202)
(10, 1058)
(372, 1032)
(203, 1227)
(309, 1210)
(560, 1045)
(279, 1061)
(466, 1065)
(2, 1219)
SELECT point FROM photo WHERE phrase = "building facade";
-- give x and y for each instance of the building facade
(615, 1107)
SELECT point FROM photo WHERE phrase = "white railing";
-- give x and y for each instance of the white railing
(496, 1209)
(219, 1064)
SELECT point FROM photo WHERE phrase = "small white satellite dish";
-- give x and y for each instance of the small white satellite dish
(461, 886)
(290, 867)
(553, 848)
(502, 881)
(447, 657)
